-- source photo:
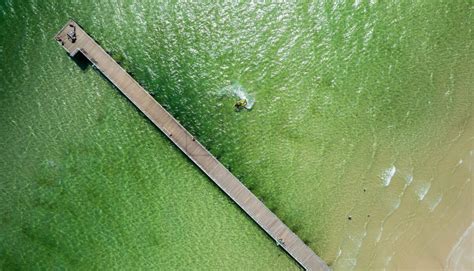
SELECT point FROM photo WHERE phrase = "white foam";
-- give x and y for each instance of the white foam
(435, 203)
(379, 236)
(349, 249)
(409, 179)
(388, 259)
(461, 255)
(422, 190)
(395, 206)
(387, 175)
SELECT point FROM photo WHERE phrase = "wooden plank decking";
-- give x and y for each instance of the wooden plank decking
(265, 218)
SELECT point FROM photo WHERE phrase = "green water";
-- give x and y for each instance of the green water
(342, 90)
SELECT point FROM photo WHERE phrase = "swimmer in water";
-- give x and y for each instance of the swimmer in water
(240, 104)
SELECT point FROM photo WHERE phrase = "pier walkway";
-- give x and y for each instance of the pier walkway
(75, 40)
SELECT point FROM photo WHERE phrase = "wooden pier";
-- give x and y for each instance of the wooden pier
(76, 41)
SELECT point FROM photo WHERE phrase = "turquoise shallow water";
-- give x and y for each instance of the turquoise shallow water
(342, 90)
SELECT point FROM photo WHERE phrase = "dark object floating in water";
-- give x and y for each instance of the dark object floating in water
(240, 104)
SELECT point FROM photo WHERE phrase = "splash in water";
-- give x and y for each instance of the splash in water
(238, 91)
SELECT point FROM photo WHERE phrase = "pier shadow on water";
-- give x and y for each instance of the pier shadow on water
(81, 60)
